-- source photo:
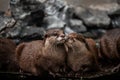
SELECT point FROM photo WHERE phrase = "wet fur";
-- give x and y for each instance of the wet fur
(39, 57)
(82, 53)
(7, 55)
(27, 54)
(110, 46)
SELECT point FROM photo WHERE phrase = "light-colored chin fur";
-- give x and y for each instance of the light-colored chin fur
(58, 41)
(59, 38)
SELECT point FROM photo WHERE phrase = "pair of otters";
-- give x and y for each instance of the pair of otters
(57, 52)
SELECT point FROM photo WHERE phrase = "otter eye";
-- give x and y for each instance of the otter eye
(55, 34)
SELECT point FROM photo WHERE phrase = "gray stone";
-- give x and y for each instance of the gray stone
(14, 2)
(118, 1)
(30, 1)
(42, 1)
(21, 32)
(2, 24)
(53, 22)
(116, 22)
(77, 25)
(24, 8)
(30, 31)
(116, 13)
(17, 11)
(94, 33)
(15, 31)
(87, 3)
(6, 22)
(68, 30)
(106, 7)
(92, 18)
(53, 6)
(70, 12)
(102, 5)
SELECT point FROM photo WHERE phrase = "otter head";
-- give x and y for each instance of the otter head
(55, 36)
(74, 39)
(80, 56)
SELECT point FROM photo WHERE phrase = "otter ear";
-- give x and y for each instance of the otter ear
(91, 45)
(45, 36)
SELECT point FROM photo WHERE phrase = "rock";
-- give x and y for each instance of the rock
(29, 2)
(118, 1)
(30, 33)
(53, 22)
(55, 11)
(53, 6)
(68, 30)
(106, 7)
(70, 12)
(94, 33)
(17, 11)
(102, 5)
(42, 1)
(92, 18)
(77, 25)
(31, 5)
(15, 31)
(116, 22)
(24, 8)
(13, 2)
(5, 23)
(116, 13)
(29, 11)
(35, 18)
(115, 19)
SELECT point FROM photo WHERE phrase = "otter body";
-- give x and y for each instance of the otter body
(7, 55)
(82, 53)
(110, 45)
(48, 55)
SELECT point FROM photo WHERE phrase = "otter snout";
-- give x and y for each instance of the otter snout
(61, 37)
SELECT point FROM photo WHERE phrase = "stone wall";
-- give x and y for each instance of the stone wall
(31, 18)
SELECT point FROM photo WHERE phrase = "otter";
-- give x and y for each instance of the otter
(7, 55)
(43, 56)
(82, 53)
(110, 46)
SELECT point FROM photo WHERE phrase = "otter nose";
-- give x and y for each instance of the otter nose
(62, 35)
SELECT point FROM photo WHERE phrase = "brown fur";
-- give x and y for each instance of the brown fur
(81, 53)
(27, 53)
(91, 45)
(109, 45)
(38, 56)
(7, 55)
